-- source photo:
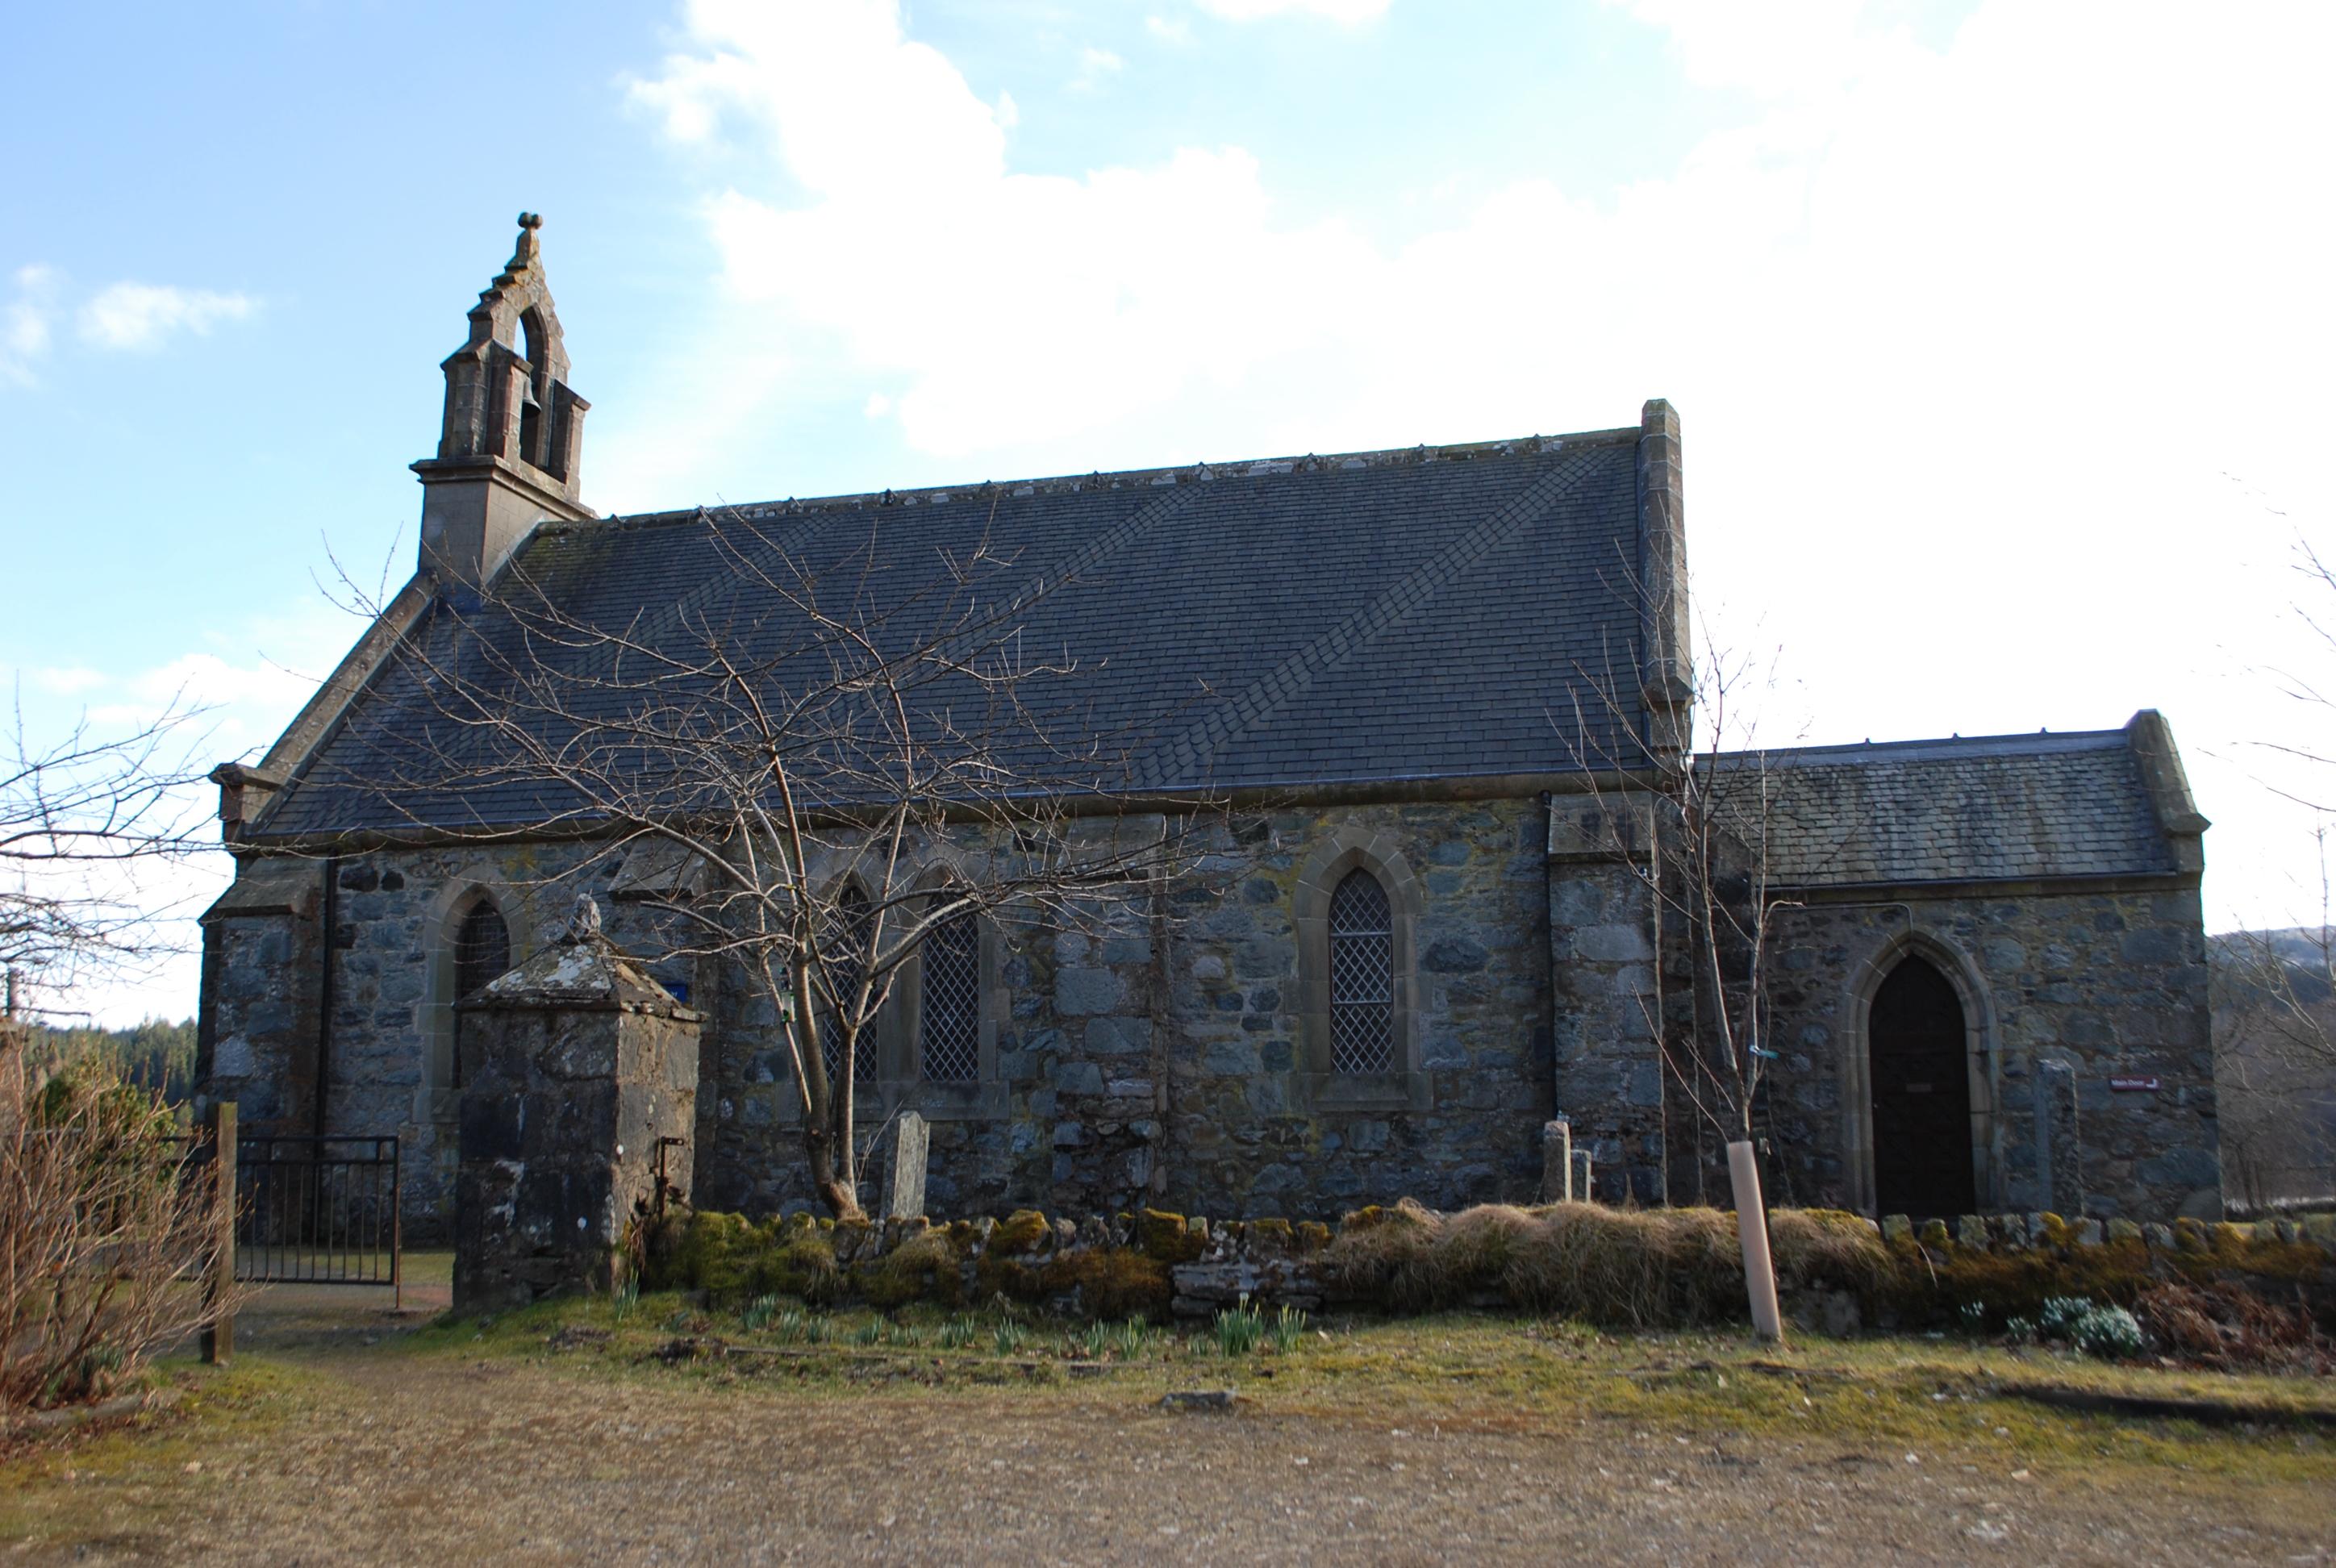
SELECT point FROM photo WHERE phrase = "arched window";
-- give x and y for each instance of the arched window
(950, 1026)
(1362, 976)
(481, 956)
(846, 960)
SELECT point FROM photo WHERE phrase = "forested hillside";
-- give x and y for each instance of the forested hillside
(157, 1052)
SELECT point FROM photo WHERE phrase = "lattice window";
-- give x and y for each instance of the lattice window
(951, 1029)
(846, 957)
(481, 956)
(1362, 977)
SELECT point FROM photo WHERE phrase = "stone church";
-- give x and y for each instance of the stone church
(1988, 979)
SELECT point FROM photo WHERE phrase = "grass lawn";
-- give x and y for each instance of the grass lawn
(580, 1428)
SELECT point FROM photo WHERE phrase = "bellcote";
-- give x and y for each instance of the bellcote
(513, 434)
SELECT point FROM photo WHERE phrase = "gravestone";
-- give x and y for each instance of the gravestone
(1557, 1161)
(575, 1066)
(911, 1143)
(2060, 1140)
(1584, 1192)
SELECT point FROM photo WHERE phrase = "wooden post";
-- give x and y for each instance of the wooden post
(219, 1339)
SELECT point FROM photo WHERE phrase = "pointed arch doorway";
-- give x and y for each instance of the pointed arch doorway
(1920, 1069)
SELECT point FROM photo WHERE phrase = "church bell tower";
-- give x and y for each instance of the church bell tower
(508, 445)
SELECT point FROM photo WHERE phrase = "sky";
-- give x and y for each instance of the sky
(1999, 329)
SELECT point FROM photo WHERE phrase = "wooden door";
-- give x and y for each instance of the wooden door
(1921, 1072)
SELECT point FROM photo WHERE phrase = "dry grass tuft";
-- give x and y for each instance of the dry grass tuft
(1387, 1259)
(1828, 1249)
(1637, 1268)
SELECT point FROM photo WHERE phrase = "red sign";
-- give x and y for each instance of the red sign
(2133, 1086)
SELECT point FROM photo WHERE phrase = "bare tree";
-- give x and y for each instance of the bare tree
(836, 757)
(2275, 1003)
(1686, 801)
(2274, 1019)
(1690, 821)
(80, 819)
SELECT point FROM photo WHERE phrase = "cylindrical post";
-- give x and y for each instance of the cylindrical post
(1752, 1230)
(218, 1284)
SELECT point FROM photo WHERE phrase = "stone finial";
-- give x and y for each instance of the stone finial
(583, 921)
(523, 255)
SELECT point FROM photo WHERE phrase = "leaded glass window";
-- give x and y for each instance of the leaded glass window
(952, 1026)
(1362, 977)
(847, 955)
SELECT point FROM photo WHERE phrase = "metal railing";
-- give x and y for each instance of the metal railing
(318, 1211)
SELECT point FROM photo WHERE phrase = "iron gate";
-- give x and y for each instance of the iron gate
(318, 1211)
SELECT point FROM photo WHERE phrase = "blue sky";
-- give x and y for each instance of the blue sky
(1999, 329)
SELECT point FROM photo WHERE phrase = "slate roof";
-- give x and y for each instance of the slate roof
(1367, 618)
(1984, 808)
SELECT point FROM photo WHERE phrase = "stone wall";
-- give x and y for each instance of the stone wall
(1609, 1075)
(1891, 1275)
(263, 955)
(1161, 1053)
(1157, 1052)
(2112, 984)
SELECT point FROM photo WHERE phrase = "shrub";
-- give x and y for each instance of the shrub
(2231, 1329)
(102, 1224)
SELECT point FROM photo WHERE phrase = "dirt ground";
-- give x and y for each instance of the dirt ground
(345, 1435)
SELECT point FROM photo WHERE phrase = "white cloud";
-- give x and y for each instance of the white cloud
(1345, 11)
(877, 406)
(67, 680)
(1965, 335)
(139, 316)
(1168, 29)
(1775, 49)
(24, 324)
(1096, 67)
(1008, 112)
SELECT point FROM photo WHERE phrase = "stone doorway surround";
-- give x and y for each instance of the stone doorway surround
(1981, 1060)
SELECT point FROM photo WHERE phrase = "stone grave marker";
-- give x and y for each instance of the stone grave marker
(909, 1145)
